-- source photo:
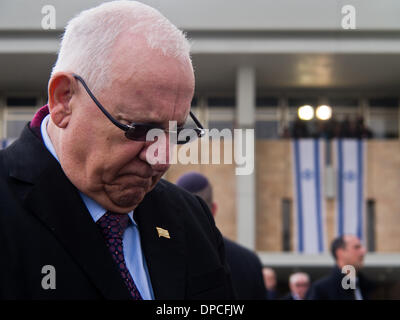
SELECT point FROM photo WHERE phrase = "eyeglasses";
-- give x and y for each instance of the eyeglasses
(138, 131)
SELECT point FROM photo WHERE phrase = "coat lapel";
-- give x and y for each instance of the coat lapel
(165, 257)
(51, 197)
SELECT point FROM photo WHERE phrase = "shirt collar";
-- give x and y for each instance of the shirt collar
(94, 208)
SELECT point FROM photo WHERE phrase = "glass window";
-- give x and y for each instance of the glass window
(267, 130)
(301, 101)
(21, 101)
(266, 101)
(384, 122)
(14, 128)
(343, 102)
(221, 101)
(384, 102)
(220, 125)
(15, 119)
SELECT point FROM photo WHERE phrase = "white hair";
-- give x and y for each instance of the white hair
(89, 37)
(295, 277)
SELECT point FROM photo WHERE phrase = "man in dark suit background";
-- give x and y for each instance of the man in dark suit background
(245, 266)
(299, 283)
(270, 282)
(83, 212)
(348, 251)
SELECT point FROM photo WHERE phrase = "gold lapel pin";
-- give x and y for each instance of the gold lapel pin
(163, 233)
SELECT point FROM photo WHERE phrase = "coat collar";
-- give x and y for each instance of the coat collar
(27, 158)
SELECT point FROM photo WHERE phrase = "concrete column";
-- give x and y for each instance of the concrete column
(245, 184)
(365, 110)
(2, 124)
(283, 114)
(202, 113)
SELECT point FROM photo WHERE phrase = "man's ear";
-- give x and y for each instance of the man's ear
(60, 91)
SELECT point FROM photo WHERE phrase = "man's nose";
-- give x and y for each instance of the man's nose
(156, 154)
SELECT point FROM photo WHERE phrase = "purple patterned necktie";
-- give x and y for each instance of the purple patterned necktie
(113, 226)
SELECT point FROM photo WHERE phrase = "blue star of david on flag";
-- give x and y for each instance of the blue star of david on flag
(350, 176)
(307, 174)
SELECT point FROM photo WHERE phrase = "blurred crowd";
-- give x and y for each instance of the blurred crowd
(345, 281)
(329, 129)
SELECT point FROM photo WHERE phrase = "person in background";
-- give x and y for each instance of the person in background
(299, 283)
(363, 132)
(269, 276)
(245, 266)
(348, 251)
(300, 129)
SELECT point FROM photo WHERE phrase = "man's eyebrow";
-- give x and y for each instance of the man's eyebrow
(119, 112)
(161, 124)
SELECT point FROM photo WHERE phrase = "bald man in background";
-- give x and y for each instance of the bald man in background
(299, 283)
(246, 267)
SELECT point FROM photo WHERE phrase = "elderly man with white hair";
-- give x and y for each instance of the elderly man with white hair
(299, 283)
(84, 213)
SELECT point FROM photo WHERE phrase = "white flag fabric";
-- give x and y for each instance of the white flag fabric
(308, 190)
(350, 204)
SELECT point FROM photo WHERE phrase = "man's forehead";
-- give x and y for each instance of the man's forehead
(152, 88)
(155, 115)
(269, 273)
(302, 278)
(299, 277)
(133, 54)
(351, 239)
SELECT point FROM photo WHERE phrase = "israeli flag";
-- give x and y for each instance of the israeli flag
(350, 204)
(309, 202)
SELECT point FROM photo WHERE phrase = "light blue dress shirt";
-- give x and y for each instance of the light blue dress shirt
(134, 259)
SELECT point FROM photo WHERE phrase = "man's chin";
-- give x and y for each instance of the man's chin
(126, 202)
(127, 199)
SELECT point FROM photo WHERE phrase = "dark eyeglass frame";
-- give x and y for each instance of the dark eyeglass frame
(138, 131)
